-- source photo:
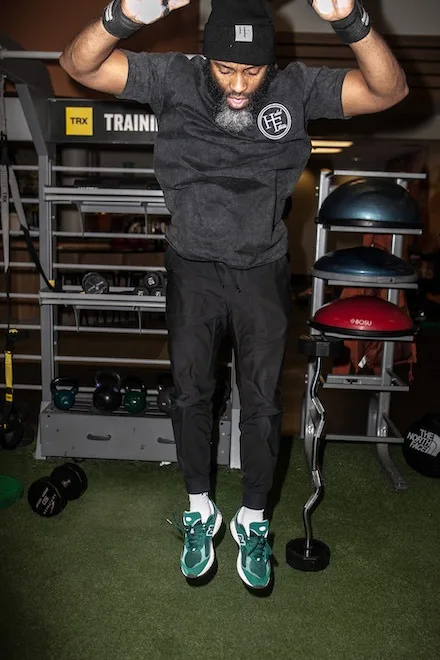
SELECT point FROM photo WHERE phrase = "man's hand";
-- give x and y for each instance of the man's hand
(149, 11)
(333, 10)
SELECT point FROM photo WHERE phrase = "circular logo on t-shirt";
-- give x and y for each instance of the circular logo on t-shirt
(274, 121)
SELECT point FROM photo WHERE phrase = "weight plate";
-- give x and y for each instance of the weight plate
(315, 559)
(45, 499)
(69, 479)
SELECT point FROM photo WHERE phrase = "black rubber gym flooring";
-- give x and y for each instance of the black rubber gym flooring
(102, 580)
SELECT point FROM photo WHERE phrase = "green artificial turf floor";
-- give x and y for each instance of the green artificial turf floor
(102, 580)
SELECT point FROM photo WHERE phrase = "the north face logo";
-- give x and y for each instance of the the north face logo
(274, 121)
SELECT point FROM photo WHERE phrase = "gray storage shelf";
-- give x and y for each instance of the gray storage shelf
(83, 432)
(103, 300)
(381, 430)
(389, 382)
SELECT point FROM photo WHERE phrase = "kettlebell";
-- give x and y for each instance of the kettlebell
(107, 395)
(64, 391)
(11, 433)
(135, 395)
(166, 398)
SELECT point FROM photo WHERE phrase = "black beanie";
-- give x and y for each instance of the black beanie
(240, 31)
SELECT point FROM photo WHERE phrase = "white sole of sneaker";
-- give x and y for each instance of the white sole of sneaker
(217, 526)
(239, 567)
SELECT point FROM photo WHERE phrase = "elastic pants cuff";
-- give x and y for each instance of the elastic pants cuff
(197, 485)
(255, 500)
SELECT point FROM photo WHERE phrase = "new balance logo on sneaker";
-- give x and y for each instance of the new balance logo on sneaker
(241, 539)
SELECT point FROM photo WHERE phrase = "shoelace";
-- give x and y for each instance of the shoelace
(193, 535)
(258, 548)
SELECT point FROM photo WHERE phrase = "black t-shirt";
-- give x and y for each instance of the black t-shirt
(226, 192)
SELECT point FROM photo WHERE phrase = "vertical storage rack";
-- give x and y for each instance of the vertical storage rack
(380, 428)
(84, 431)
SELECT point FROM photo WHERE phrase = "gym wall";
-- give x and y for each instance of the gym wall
(49, 25)
(390, 16)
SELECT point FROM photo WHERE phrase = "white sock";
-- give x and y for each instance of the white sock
(200, 502)
(246, 516)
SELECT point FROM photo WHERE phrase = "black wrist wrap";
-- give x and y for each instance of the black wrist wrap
(353, 27)
(116, 22)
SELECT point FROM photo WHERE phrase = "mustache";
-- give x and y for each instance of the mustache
(255, 98)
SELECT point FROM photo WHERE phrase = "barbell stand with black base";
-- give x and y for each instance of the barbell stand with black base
(307, 553)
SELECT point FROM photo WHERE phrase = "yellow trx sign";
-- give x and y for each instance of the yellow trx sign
(79, 121)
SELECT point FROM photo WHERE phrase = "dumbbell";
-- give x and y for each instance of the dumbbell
(94, 283)
(48, 496)
(107, 396)
(135, 395)
(64, 391)
(157, 292)
(308, 553)
(153, 279)
(140, 291)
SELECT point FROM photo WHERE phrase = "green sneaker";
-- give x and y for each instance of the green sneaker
(254, 551)
(198, 548)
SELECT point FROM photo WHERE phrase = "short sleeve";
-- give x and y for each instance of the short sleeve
(323, 92)
(146, 78)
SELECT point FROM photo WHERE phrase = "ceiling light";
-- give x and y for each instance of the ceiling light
(326, 150)
(331, 143)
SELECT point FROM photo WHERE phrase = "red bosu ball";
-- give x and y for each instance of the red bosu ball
(363, 316)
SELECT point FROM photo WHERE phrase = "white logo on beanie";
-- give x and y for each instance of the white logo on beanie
(244, 33)
(274, 121)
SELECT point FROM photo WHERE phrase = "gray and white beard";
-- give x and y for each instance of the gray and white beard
(231, 120)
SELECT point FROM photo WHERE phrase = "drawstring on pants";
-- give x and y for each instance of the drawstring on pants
(220, 279)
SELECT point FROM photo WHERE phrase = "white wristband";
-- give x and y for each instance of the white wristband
(147, 11)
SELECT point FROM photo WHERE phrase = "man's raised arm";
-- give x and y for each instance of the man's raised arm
(380, 81)
(92, 58)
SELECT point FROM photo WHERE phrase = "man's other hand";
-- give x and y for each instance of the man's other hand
(149, 11)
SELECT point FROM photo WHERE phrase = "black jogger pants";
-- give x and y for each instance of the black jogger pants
(205, 300)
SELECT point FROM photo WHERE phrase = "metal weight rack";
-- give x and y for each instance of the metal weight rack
(380, 428)
(83, 431)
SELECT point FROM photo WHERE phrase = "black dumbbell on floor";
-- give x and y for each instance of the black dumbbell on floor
(48, 496)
